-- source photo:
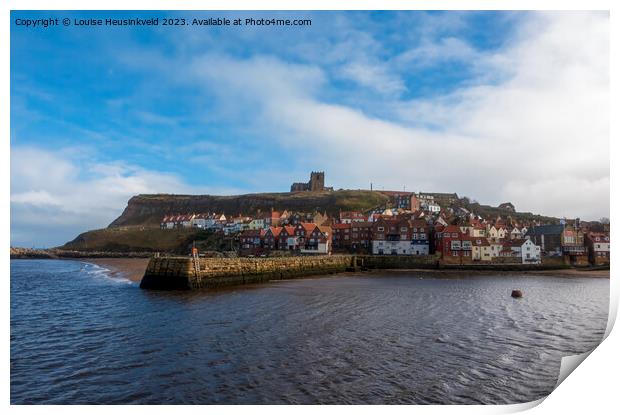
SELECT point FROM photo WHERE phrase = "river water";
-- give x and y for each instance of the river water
(79, 335)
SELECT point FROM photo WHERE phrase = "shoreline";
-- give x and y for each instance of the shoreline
(563, 272)
(133, 269)
(129, 268)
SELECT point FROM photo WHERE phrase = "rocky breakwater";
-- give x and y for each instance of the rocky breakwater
(55, 253)
(185, 273)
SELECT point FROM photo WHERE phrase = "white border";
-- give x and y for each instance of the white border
(591, 388)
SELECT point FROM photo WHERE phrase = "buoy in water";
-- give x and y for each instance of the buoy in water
(516, 294)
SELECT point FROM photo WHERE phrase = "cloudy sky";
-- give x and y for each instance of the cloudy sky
(495, 106)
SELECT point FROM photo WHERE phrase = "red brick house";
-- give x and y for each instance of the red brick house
(287, 239)
(454, 245)
(313, 238)
(391, 236)
(250, 242)
(598, 247)
(361, 237)
(271, 239)
(341, 236)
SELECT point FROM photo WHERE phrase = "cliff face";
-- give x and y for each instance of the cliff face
(148, 210)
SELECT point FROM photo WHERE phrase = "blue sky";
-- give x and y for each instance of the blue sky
(99, 114)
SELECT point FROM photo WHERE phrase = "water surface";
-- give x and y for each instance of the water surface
(81, 336)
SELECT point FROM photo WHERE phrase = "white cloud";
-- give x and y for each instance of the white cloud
(52, 191)
(538, 138)
(35, 198)
(433, 52)
(374, 76)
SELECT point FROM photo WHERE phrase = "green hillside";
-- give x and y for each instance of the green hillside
(148, 210)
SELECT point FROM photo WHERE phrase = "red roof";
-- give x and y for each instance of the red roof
(309, 227)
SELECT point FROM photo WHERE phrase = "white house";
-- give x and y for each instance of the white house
(497, 233)
(384, 247)
(167, 222)
(431, 207)
(257, 223)
(187, 221)
(200, 220)
(496, 247)
(527, 250)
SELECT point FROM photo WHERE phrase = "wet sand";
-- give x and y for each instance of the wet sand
(573, 272)
(131, 268)
(459, 273)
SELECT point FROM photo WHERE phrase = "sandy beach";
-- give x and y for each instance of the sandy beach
(131, 268)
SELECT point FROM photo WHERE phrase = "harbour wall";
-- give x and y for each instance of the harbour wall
(185, 273)
(182, 273)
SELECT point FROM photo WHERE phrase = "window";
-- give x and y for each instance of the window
(414, 229)
(403, 229)
(380, 228)
(454, 235)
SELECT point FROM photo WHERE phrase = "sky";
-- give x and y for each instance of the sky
(496, 106)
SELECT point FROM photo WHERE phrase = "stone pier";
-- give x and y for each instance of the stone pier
(182, 273)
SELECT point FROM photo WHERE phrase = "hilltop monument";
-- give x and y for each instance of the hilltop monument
(316, 184)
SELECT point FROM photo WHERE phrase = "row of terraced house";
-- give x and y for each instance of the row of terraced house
(400, 231)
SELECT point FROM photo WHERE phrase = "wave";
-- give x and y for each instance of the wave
(105, 274)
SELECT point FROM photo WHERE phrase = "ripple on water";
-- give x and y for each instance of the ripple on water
(79, 335)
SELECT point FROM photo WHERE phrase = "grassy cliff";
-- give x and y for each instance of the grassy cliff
(138, 239)
(148, 210)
